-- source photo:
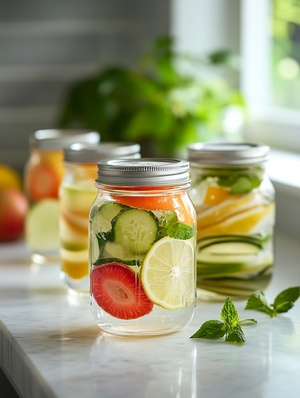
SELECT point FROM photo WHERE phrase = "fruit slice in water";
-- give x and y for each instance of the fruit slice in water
(42, 231)
(43, 182)
(242, 223)
(167, 273)
(118, 291)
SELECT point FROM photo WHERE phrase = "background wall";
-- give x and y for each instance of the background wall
(45, 45)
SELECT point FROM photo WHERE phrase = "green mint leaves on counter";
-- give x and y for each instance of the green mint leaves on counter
(283, 302)
(230, 326)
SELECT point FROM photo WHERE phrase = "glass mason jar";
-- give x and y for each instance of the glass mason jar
(142, 247)
(76, 196)
(235, 205)
(43, 174)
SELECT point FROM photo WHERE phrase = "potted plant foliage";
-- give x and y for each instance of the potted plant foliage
(160, 103)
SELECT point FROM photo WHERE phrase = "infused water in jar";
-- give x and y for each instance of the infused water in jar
(42, 177)
(142, 247)
(76, 196)
(235, 205)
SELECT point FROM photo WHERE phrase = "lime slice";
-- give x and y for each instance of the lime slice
(42, 231)
(168, 273)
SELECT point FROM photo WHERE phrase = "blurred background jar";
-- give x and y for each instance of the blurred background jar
(43, 174)
(235, 205)
(77, 194)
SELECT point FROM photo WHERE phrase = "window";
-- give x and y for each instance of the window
(270, 44)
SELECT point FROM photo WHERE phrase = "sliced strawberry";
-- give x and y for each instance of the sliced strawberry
(118, 291)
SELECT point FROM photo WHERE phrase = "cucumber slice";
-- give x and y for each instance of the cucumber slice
(102, 219)
(255, 240)
(228, 253)
(114, 250)
(135, 229)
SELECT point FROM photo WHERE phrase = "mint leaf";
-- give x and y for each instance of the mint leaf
(180, 230)
(210, 330)
(257, 301)
(286, 299)
(229, 313)
(236, 335)
(283, 302)
(230, 327)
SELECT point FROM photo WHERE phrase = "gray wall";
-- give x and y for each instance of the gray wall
(45, 45)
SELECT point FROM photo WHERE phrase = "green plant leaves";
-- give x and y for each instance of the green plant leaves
(283, 302)
(230, 326)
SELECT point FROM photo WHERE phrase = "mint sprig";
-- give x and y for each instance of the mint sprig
(230, 326)
(283, 302)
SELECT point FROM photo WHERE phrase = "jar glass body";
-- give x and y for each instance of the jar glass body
(142, 259)
(76, 196)
(235, 208)
(43, 174)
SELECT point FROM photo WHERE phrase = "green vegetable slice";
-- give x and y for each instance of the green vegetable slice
(135, 229)
(102, 219)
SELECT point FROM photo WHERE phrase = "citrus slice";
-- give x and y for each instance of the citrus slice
(42, 229)
(227, 208)
(168, 273)
(242, 223)
(215, 195)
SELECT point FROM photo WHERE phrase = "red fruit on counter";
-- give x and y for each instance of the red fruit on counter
(13, 208)
(118, 291)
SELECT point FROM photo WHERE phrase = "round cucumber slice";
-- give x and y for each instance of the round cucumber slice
(102, 219)
(135, 229)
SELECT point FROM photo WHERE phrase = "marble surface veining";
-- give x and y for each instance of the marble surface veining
(51, 347)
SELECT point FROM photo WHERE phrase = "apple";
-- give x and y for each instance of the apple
(13, 209)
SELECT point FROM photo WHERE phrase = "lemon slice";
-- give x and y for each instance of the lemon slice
(42, 230)
(168, 273)
(242, 223)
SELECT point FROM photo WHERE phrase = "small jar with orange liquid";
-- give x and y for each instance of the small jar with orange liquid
(76, 196)
(43, 174)
(235, 205)
(142, 247)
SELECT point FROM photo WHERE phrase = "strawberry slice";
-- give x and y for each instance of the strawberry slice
(118, 291)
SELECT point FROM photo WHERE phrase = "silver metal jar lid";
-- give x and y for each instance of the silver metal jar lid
(143, 172)
(86, 153)
(221, 153)
(53, 139)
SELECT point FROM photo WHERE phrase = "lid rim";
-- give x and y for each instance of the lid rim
(143, 172)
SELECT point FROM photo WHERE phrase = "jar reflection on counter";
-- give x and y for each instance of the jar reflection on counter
(43, 174)
(76, 196)
(235, 205)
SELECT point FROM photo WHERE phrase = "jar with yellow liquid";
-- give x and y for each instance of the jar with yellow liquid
(42, 177)
(77, 194)
(235, 205)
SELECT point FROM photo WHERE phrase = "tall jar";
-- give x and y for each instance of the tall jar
(43, 174)
(142, 247)
(235, 205)
(76, 196)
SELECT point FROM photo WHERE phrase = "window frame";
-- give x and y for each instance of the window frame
(277, 126)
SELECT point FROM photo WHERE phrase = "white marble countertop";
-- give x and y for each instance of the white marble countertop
(51, 347)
